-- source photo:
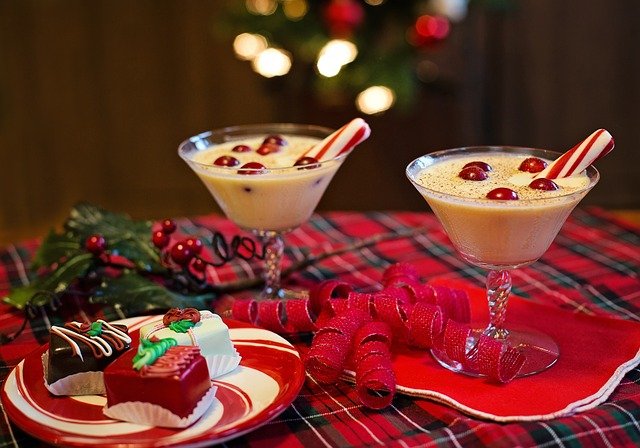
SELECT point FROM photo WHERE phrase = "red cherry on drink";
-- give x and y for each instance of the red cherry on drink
(194, 244)
(275, 140)
(160, 239)
(484, 166)
(168, 226)
(199, 265)
(268, 148)
(96, 244)
(252, 168)
(543, 184)
(181, 253)
(241, 148)
(307, 163)
(226, 161)
(532, 165)
(502, 194)
(473, 173)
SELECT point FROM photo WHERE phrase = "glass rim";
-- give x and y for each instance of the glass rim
(591, 171)
(297, 129)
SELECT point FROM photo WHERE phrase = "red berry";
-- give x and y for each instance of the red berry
(484, 166)
(307, 163)
(181, 253)
(241, 148)
(226, 161)
(268, 148)
(473, 173)
(275, 140)
(194, 244)
(160, 239)
(168, 226)
(252, 168)
(532, 165)
(502, 194)
(96, 244)
(543, 184)
(199, 265)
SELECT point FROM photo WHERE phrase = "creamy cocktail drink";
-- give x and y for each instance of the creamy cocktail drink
(265, 189)
(269, 178)
(501, 208)
(491, 232)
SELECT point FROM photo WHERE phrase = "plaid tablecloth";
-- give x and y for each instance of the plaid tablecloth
(592, 268)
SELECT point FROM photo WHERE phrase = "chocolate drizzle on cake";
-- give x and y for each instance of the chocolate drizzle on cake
(107, 339)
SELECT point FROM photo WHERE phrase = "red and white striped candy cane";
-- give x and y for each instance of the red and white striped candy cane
(341, 141)
(578, 158)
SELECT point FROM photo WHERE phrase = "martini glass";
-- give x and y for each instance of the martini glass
(499, 235)
(267, 202)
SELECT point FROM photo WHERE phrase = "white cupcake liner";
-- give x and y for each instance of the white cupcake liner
(155, 415)
(220, 364)
(82, 383)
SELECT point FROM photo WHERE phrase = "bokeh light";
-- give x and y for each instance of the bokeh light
(295, 9)
(261, 7)
(247, 46)
(335, 54)
(272, 62)
(375, 99)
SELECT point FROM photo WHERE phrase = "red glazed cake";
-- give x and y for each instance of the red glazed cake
(162, 384)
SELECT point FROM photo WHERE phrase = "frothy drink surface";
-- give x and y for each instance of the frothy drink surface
(443, 177)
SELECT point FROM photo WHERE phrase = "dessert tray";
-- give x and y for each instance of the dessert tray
(268, 379)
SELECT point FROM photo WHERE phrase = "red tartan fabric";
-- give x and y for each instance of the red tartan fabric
(591, 269)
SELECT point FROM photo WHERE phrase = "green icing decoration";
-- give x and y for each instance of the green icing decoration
(96, 329)
(181, 326)
(149, 352)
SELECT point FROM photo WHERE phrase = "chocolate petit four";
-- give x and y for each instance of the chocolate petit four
(204, 329)
(160, 384)
(78, 354)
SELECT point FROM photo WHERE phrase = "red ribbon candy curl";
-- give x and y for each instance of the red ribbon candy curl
(348, 327)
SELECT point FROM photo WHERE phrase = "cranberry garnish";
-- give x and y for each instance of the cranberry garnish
(268, 148)
(241, 148)
(199, 265)
(194, 244)
(226, 161)
(484, 166)
(275, 140)
(168, 226)
(543, 184)
(160, 239)
(502, 194)
(181, 253)
(307, 163)
(473, 173)
(96, 244)
(252, 168)
(532, 165)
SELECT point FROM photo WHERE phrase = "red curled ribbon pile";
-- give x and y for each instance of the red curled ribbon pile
(356, 329)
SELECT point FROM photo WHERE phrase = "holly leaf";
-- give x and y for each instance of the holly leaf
(42, 289)
(56, 247)
(136, 294)
(125, 237)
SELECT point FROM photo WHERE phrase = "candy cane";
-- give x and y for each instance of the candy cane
(578, 158)
(341, 141)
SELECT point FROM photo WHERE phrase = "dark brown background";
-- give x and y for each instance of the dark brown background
(96, 95)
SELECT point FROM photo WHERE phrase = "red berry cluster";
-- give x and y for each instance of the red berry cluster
(183, 252)
(270, 145)
(96, 244)
(478, 171)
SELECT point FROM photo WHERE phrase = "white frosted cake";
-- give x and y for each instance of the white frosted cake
(200, 328)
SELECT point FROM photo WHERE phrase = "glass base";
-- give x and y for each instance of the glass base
(540, 350)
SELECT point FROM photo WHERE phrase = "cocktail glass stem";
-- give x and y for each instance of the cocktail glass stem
(273, 250)
(498, 290)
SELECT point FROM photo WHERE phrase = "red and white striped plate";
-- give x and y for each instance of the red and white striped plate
(268, 379)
